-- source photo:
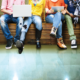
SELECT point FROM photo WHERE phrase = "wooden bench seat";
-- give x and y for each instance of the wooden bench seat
(45, 37)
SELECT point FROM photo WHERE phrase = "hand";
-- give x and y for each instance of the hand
(51, 11)
(63, 11)
(10, 13)
(71, 15)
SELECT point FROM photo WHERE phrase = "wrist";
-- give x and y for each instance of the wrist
(47, 11)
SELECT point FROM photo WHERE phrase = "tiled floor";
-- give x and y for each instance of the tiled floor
(48, 63)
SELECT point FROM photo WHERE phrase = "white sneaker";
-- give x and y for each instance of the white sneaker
(73, 44)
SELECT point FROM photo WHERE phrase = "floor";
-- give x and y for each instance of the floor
(48, 63)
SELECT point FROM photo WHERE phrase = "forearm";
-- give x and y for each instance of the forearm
(6, 11)
(46, 10)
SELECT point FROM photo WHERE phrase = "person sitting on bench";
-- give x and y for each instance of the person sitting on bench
(55, 19)
(7, 17)
(37, 7)
(69, 16)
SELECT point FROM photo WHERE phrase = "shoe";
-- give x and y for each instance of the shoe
(60, 44)
(53, 32)
(73, 44)
(38, 45)
(38, 36)
(9, 44)
(14, 44)
(19, 45)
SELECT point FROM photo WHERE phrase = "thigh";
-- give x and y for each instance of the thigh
(5, 18)
(37, 20)
(27, 24)
(28, 21)
(49, 18)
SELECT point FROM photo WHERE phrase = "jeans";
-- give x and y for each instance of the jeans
(5, 19)
(55, 19)
(36, 20)
(70, 27)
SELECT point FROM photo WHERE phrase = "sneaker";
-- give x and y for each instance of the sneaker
(14, 44)
(61, 44)
(19, 45)
(9, 44)
(53, 32)
(73, 44)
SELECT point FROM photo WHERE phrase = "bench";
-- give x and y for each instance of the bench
(45, 37)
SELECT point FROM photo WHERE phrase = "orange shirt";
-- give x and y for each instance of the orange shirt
(50, 3)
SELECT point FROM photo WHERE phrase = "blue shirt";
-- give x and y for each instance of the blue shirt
(70, 8)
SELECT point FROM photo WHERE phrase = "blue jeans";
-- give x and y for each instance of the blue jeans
(5, 19)
(36, 20)
(55, 19)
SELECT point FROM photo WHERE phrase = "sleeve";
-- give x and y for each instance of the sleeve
(46, 4)
(23, 2)
(66, 1)
(4, 4)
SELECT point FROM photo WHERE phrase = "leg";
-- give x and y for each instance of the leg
(70, 27)
(60, 42)
(59, 31)
(19, 22)
(38, 23)
(55, 19)
(4, 26)
(19, 43)
(25, 28)
(71, 31)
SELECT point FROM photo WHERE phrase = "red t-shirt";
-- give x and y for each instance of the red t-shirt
(50, 3)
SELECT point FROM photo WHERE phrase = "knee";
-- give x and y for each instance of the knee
(39, 24)
(24, 28)
(20, 21)
(2, 21)
(67, 17)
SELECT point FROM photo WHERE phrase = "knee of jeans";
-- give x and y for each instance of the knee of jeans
(20, 21)
(24, 28)
(39, 24)
(2, 20)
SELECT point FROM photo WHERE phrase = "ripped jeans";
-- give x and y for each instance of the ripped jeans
(36, 20)
(5, 19)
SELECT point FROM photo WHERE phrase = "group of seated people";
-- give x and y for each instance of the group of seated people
(50, 17)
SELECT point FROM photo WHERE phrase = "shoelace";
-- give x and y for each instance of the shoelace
(61, 41)
(54, 29)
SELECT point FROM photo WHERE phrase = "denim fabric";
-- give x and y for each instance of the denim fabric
(5, 19)
(36, 20)
(55, 19)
